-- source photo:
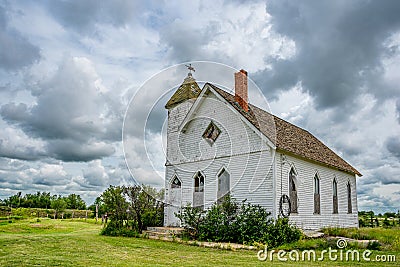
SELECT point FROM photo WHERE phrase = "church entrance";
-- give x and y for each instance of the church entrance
(174, 202)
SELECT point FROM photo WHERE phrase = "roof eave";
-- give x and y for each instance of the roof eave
(355, 172)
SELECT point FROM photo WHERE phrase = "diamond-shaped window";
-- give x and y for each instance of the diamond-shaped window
(211, 133)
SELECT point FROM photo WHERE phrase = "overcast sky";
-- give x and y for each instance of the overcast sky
(68, 70)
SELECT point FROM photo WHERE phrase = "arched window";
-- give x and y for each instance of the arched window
(335, 196)
(198, 192)
(349, 206)
(199, 182)
(223, 185)
(292, 191)
(317, 197)
(176, 183)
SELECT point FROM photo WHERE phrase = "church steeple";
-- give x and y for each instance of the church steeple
(189, 89)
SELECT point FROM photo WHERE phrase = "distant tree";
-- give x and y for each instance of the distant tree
(101, 207)
(386, 222)
(377, 222)
(363, 213)
(115, 205)
(144, 206)
(14, 201)
(59, 205)
(371, 216)
(38, 200)
(390, 214)
(44, 200)
(75, 202)
(28, 201)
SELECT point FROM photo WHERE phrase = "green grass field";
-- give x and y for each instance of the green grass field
(78, 243)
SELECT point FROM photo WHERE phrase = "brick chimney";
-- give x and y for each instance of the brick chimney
(241, 90)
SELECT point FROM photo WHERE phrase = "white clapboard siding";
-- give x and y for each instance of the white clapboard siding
(255, 169)
(238, 150)
(306, 170)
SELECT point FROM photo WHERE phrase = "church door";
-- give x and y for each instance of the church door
(175, 202)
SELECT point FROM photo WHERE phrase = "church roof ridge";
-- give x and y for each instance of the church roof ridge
(289, 137)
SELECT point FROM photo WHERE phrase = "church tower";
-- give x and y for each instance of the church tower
(178, 107)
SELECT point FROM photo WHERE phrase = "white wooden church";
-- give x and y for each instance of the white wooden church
(218, 144)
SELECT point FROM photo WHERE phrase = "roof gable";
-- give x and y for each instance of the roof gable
(211, 88)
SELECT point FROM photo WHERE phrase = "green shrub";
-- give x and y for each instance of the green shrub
(281, 232)
(374, 245)
(219, 222)
(191, 217)
(112, 229)
(230, 222)
(252, 222)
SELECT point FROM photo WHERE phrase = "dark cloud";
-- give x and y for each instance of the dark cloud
(71, 114)
(16, 51)
(14, 112)
(22, 152)
(71, 150)
(186, 43)
(393, 146)
(49, 181)
(339, 49)
(386, 176)
(82, 16)
(16, 145)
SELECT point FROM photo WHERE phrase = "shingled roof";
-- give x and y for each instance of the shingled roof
(188, 90)
(288, 137)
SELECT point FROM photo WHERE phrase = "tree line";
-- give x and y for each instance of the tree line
(370, 219)
(44, 200)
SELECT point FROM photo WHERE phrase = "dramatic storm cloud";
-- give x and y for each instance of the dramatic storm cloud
(69, 68)
(16, 51)
(340, 49)
(69, 113)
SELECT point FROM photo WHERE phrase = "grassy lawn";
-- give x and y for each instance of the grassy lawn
(78, 243)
